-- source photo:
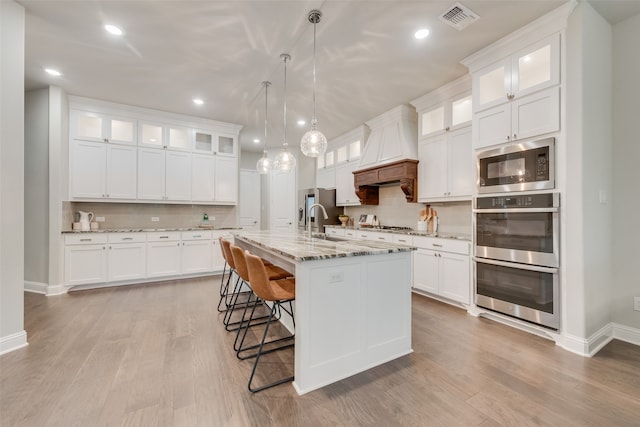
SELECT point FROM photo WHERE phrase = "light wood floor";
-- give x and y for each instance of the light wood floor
(157, 355)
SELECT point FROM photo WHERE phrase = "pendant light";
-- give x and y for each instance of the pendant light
(314, 143)
(285, 161)
(264, 163)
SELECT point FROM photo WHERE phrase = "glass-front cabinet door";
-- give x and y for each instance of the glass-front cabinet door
(536, 67)
(203, 141)
(226, 144)
(178, 138)
(151, 135)
(97, 127)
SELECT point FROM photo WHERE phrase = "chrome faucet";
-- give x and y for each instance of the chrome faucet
(324, 212)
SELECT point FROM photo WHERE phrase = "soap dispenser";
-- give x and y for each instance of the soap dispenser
(205, 219)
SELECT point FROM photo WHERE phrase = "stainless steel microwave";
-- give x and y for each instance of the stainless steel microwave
(520, 166)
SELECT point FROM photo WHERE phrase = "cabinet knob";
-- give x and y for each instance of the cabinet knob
(514, 136)
(446, 129)
(508, 137)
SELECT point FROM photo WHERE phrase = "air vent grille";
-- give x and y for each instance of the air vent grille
(459, 17)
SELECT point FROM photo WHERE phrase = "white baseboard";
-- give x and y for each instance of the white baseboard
(13, 342)
(35, 287)
(43, 288)
(588, 347)
(626, 333)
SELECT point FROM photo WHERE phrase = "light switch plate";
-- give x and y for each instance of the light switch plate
(155, 218)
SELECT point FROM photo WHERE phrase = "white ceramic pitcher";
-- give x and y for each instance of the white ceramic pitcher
(85, 220)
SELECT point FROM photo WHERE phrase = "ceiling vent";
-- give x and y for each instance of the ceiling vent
(459, 17)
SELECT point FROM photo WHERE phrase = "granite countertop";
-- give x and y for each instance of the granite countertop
(140, 230)
(457, 236)
(299, 247)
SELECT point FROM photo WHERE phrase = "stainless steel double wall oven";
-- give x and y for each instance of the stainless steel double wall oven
(516, 236)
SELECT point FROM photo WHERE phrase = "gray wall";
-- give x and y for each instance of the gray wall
(36, 183)
(626, 155)
(12, 334)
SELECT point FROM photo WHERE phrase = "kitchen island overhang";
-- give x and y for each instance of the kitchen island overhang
(353, 302)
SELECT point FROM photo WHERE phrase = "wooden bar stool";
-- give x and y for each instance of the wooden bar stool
(273, 272)
(277, 292)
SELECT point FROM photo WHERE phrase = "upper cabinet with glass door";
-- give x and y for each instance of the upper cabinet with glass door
(348, 152)
(159, 135)
(445, 109)
(98, 127)
(529, 70)
(212, 142)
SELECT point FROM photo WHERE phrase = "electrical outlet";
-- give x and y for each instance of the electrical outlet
(155, 218)
(337, 276)
(99, 219)
(636, 303)
(212, 218)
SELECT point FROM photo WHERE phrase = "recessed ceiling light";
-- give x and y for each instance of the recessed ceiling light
(198, 101)
(113, 30)
(301, 122)
(53, 72)
(421, 34)
(256, 141)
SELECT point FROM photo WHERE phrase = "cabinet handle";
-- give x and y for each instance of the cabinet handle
(107, 195)
(436, 245)
(380, 238)
(514, 136)
(196, 236)
(103, 195)
(127, 238)
(446, 129)
(401, 240)
(110, 247)
(164, 237)
(85, 240)
(103, 248)
(508, 137)
(178, 243)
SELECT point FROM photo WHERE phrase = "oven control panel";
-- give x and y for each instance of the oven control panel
(547, 200)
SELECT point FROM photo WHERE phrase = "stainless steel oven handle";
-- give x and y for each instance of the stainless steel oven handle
(537, 268)
(517, 210)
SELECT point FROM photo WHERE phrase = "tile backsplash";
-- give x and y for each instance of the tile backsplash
(138, 215)
(393, 209)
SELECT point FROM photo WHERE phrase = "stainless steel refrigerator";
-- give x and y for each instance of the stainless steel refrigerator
(310, 196)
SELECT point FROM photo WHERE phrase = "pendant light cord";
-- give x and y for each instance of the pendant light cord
(285, 58)
(266, 94)
(314, 120)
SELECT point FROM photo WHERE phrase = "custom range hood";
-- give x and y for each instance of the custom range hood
(390, 156)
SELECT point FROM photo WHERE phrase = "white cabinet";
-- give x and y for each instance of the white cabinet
(208, 141)
(446, 115)
(337, 232)
(163, 254)
(521, 118)
(164, 175)
(529, 70)
(97, 127)
(159, 135)
(85, 259)
(226, 180)
(214, 179)
(217, 259)
(445, 170)
(102, 171)
(518, 97)
(345, 190)
(197, 251)
(375, 236)
(442, 267)
(332, 169)
(126, 256)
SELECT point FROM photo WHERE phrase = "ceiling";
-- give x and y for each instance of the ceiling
(173, 51)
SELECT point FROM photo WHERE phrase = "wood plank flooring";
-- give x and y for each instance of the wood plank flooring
(158, 355)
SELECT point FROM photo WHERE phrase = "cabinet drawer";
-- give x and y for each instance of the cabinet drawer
(375, 236)
(444, 245)
(127, 237)
(351, 234)
(334, 231)
(196, 235)
(402, 239)
(85, 239)
(163, 236)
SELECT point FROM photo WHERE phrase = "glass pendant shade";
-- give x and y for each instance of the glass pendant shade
(284, 161)
(264, 164)
(314, 143)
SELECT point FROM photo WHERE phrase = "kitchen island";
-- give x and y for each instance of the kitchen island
(353, 302)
